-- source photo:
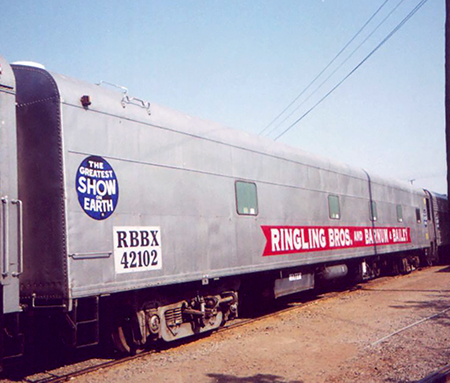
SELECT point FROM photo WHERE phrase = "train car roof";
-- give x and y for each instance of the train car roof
(113, 101)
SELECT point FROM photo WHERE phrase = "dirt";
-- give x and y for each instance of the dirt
(335, 339)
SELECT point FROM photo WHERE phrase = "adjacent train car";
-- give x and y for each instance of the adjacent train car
(11, 262)
(440, 220)
(155, 224)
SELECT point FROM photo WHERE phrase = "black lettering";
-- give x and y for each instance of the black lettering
(154, 240)
(140, 258)
(134, 238)
(146, 258)
(154, 254)
(122, 238)
(124, 261)
(133, 259)
(144, 239)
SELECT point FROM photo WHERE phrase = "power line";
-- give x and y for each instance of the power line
(339, 67)
(417, 7)
(323, 70)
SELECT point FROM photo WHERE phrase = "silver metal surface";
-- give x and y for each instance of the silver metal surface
(10, 241)
(176, 176)
(178, 173)
(293, 283)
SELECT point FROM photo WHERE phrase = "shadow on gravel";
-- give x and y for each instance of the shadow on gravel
(437, 310)
(41, 369)
(259, 378)
(446, 270)
(441, 302)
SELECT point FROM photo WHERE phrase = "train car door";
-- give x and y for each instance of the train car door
(10, 206)
(429, 222)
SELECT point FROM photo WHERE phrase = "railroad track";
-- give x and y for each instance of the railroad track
(68, 372)
(54, 376)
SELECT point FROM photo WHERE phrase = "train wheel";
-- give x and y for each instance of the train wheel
(429, 256)
(376, 267)
(126, 335)
(120, 341)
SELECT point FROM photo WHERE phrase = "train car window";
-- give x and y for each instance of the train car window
(428, 209)
(246, 199)
(418, 215)
(399, 213)
(373, 211)
(334, 208)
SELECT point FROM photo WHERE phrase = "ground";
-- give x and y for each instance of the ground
(338, 338)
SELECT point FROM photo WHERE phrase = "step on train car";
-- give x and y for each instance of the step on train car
(129, 219)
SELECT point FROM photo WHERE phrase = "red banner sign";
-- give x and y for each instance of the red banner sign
(300, 239)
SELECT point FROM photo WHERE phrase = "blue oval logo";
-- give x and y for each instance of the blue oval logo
(97, 187)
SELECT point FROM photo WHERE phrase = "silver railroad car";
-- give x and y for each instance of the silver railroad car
(11, 261)
(10, 233)
(163, 219)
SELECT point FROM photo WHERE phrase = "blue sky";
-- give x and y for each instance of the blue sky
(241, 63)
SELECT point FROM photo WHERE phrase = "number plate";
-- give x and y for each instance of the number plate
(137, 248)
(295, 277)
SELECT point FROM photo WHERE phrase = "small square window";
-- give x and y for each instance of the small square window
(246, 199)
(334, 208)
(399, 213)
(373, 211)
(418, 215)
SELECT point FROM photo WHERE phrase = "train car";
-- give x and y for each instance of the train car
(440, 221)
(156, 225)
(11, 262)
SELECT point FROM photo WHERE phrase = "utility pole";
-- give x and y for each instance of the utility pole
(447, 90)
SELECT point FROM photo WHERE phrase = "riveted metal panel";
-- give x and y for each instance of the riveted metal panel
(41, 185)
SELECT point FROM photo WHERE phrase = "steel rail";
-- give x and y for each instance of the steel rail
(56, 378)
(322, 296)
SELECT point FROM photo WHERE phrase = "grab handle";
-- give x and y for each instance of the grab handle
(19, 204)
(126, 99)
(5, 235)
